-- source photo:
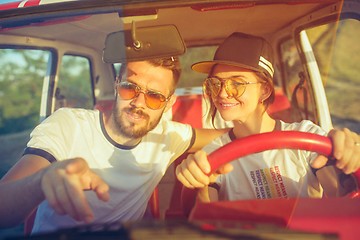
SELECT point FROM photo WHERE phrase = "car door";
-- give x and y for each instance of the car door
(320, 66)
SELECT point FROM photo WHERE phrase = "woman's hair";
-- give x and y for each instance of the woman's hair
(264, 79)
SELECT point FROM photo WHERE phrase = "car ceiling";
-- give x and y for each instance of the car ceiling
(196, 27)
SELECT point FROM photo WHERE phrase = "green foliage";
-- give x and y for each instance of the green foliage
(75, 81)
(20, 83)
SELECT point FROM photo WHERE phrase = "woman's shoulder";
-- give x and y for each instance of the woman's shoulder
(303, 126)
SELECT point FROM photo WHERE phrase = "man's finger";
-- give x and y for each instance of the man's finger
(101, 188)
(50, 196)
(79, 205)
(64, 196)
(77, 165)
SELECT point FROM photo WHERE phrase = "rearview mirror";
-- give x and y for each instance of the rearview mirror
(150, 42)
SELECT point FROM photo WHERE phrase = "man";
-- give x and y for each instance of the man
(117, 157)
(128, 151)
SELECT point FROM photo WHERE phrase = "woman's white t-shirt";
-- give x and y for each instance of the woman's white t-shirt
(279, 173)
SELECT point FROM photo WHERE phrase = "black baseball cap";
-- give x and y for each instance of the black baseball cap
(242, 50)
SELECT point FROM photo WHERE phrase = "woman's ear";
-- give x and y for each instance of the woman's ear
(170, 103)
(266, 92)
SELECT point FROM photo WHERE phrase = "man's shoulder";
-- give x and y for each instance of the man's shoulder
(168, 130)
(169, 125)
(75, 113)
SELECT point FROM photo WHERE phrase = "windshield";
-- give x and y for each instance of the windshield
(55, 60)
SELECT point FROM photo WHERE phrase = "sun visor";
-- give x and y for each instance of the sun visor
(142, 44)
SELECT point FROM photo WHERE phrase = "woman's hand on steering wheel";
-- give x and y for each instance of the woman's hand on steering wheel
(346, 151)
(194, 171)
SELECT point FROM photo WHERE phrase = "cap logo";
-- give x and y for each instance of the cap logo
(266, 65)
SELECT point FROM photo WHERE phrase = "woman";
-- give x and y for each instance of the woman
(240, 87)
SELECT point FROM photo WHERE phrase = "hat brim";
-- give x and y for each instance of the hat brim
(206, 66)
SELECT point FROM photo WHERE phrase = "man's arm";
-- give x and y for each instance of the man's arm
(205, 136)
(34, 179)
(20, 190)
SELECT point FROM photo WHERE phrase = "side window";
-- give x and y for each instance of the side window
(291, 63)
(336, 49)
(295, 82)
(21, 79)
(74, 88)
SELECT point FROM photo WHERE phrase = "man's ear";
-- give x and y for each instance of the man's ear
(170, 103)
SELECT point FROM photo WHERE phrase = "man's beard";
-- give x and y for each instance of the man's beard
(130, 129)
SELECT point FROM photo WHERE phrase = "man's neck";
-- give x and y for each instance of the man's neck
(115, 134)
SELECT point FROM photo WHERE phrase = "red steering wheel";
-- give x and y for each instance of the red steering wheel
(262, 142)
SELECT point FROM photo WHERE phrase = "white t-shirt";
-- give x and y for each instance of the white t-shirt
(131, 173)
(279, 173)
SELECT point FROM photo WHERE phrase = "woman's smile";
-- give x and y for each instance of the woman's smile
(225, 105)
